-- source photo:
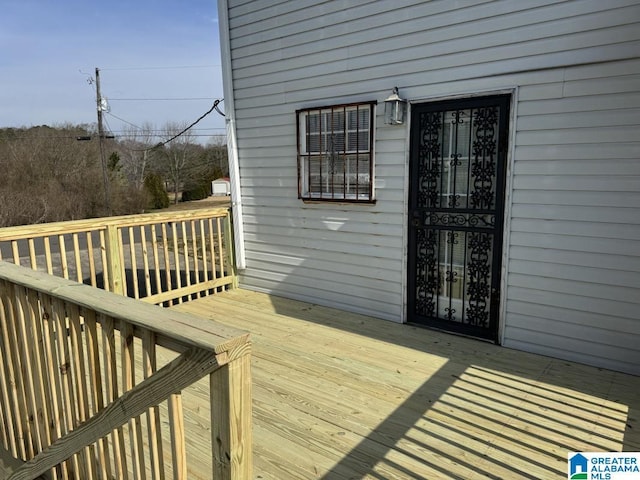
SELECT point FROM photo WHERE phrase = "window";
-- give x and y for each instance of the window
(335, 153)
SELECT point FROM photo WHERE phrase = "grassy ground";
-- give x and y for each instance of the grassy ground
(209, 202)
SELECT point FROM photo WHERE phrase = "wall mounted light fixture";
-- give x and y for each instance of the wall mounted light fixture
(395, 108)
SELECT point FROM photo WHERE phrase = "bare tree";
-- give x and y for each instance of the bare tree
(176, 159)
(48, 175)
(135, 153)
(217, 154)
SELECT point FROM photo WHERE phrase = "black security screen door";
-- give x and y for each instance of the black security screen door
(456, 209)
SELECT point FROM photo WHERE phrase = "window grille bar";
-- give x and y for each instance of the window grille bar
(344, 151)
(358, 151)
(320, 151)
(330, 140)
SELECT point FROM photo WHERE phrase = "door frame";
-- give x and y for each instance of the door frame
(513, 92)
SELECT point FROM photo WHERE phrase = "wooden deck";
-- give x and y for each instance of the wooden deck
(343, 396)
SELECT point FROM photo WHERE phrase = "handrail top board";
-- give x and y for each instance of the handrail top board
(91, 224)
(185, 329)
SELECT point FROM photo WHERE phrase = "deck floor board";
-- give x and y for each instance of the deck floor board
(343, 396)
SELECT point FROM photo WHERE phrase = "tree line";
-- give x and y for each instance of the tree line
(50, 174)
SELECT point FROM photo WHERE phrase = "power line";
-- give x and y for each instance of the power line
(216, 103)
(117, 134)
(167, 99)
(182, 132)
(160, 136)
(213, 107)
(125, 137)
(123, 120)
(160, 131)
(44, 137)
(163, 67)
(108, 126)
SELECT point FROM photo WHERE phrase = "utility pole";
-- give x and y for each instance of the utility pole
(105, 173)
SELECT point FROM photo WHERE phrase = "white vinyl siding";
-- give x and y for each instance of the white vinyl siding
(573, 271)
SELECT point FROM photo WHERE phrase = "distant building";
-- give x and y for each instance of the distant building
(221, 187)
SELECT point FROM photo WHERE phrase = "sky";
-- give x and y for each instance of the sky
(145, 49)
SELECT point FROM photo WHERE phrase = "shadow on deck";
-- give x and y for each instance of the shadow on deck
(162, 280)
(344, 396)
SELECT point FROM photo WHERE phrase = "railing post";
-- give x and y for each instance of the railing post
(113, 260)
(231, 430)
(231, 258)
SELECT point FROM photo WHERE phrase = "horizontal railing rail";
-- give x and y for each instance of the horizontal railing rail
(91, 385)
(162, 258)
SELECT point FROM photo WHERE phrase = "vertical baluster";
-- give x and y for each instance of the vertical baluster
(105, 264)
(57, 417)
(176, 259)
(92, 262)
(23, 343)
(194, 241)
(134, 263)
(80, 380)
(156, 260)
(167, 259)
(32, 254)
(111, 389)
(5, 428)
(185, 246)
(76, 256)
(39, 373)
(47, 255)
(205, 262)
(178, 441)
(7, 381)
(123, 265)
(15, 249)
(128, 381)
(64, 360)
(220, 249)
(153, 415)
(145, 261)
(5, 425)
(95, 382)
(63, 256)
(212, 244)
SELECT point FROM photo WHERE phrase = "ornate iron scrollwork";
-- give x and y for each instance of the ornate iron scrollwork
(478, 286)
(484, 150)
(485, 220)
(427, 285)
(455, 216)
(429, 159)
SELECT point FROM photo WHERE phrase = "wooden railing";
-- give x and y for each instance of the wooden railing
(162, 258)
(91, 385)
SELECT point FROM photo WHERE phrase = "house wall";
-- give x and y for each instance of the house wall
(572, 251)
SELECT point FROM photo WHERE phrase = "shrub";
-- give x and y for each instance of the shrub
(197, 192)
(154, 186)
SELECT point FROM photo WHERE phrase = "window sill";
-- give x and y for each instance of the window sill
(340, 201)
